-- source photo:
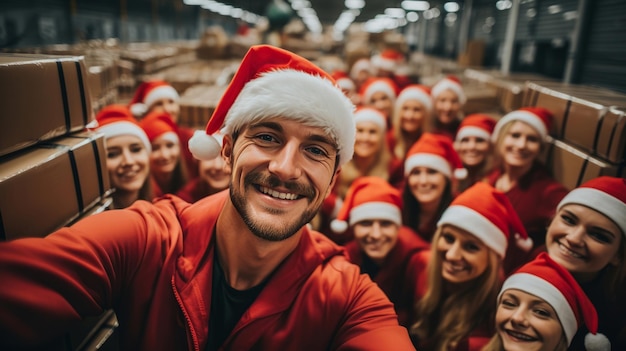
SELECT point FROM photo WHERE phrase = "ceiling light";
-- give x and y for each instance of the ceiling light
(412, 5)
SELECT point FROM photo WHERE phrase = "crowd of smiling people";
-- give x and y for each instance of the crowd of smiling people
(453, 216)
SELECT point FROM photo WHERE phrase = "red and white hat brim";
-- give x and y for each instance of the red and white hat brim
(543, 289)
(432, 161)
(125, 128)
(471, 131)
(476, 224)
(379, 86)
(415, 94)
(599, 201)
(447, 84)
(523, 116)
(376, 210)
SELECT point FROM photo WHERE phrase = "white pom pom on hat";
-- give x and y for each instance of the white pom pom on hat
(273, 82)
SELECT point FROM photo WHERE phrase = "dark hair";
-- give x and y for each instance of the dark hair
(411, 208)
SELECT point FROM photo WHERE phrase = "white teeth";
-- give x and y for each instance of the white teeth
(520, 336)
(569, 252)
(278, 195)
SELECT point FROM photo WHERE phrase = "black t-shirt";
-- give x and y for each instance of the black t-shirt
(227, 307)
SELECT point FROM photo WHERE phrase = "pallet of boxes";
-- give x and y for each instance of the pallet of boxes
(589, 130)
(52, 170)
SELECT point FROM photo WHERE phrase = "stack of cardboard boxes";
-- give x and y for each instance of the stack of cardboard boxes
(52, 171)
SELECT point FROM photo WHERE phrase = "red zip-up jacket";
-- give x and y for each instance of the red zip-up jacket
(152, 263)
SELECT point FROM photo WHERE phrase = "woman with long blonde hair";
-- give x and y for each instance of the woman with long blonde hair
(462, 273)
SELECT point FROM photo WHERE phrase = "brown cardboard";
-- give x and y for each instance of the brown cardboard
(572, 166)
(556, 102)
(611, 143)
(42, 97)
(40, 191)
(583, 123)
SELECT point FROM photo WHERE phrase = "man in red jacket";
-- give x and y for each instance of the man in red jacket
(238, 270)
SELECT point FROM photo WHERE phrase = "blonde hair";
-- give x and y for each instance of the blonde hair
(379, 168)
(402, 139)
(445, 318)
(498, 161)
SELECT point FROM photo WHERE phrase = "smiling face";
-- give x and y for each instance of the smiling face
(412, 116)
(215, 172)
(382, 102)
(584, 241)
(525, 322)
(464, 257)
(520, 145)
(447, 106)
(369, 139)
(281, 173)
(427, 185)
(473, 150)
(376, 238)
(168, 105)
(127, 163)
(165, 154)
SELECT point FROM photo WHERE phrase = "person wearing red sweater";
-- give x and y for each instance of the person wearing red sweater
(238, 270)
(519, 138)
(461, 274)
(382, 247)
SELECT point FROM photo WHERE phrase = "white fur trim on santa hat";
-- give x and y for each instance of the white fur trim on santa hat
(138, 109)
(447, 84)
(386, 64)
(599, 201)
(299, 96)
(379, 86)
(435, 162)
(534, 285)
(170, 136)
(158, 93)
(362, 64)
(368, 115)
(125, 128)
(376, 210)
(523, 116)
(346, 83)
(471, 131)
(415, 94)
(476, 224)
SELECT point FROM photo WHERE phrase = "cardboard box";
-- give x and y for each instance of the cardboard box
(611, 140)
(49, 185)
(572, 167)
(43, 97)
(198, 103)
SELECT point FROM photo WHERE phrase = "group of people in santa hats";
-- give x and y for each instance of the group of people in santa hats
(453, 216)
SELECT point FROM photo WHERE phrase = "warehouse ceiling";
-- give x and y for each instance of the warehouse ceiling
(328, 11)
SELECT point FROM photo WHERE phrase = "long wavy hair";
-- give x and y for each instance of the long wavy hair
(403, 140)
(446, 314)
(411, 208)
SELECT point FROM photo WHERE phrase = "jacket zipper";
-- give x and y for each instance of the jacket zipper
(191, 331)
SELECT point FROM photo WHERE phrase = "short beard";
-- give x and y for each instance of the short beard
(281, 231)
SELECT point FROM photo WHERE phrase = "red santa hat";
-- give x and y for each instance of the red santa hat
(362, 64)
(538, 118)
(273, 82)
(450, 82)
(378, 84)
(150, 92)
(388, 59)
(488, 215)
(546, 279)
(343, 81)
(476, 125)
(437, 152)
(115, 120)
(605, 194)
(368, 198)
(417, 92)
(370, 114)
(160, 124)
